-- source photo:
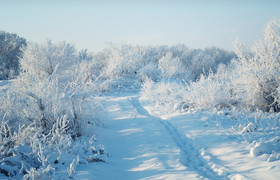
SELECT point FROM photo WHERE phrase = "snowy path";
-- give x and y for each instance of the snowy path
(141, 146)
(179, 146)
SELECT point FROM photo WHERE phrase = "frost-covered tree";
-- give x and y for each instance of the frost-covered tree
(42, 59)
(10, 51)
(84, 55)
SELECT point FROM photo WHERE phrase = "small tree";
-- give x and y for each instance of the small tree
(10, 51)
(42, 59)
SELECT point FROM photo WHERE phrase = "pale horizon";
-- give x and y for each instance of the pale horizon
(91, 24)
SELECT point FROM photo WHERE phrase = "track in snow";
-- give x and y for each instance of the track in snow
(190, 157)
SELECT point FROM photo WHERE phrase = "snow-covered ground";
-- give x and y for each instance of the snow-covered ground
(144, 143)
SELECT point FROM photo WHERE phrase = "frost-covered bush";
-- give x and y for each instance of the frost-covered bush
(10, 51)
(31, 154)
(169, 95)
(257, 70)
(150, 71)
(209, 91)
(91, 64)
(212, 91)
(123, 61)
(46, 109)
(170, 67)
(51, 84)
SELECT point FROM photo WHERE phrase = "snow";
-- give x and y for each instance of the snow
(138, 148)
(142, 144)
(143, 141)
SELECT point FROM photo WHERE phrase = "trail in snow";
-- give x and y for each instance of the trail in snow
(143, 146)
(138, 145)
(190, 156)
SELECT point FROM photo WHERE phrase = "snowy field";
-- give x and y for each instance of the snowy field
(144, 143)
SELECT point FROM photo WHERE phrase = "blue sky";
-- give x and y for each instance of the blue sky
(90, 24)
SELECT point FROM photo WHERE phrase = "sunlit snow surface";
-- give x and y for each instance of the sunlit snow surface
(144, 143)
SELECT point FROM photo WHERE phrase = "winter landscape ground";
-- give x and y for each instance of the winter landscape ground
(140, 112)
